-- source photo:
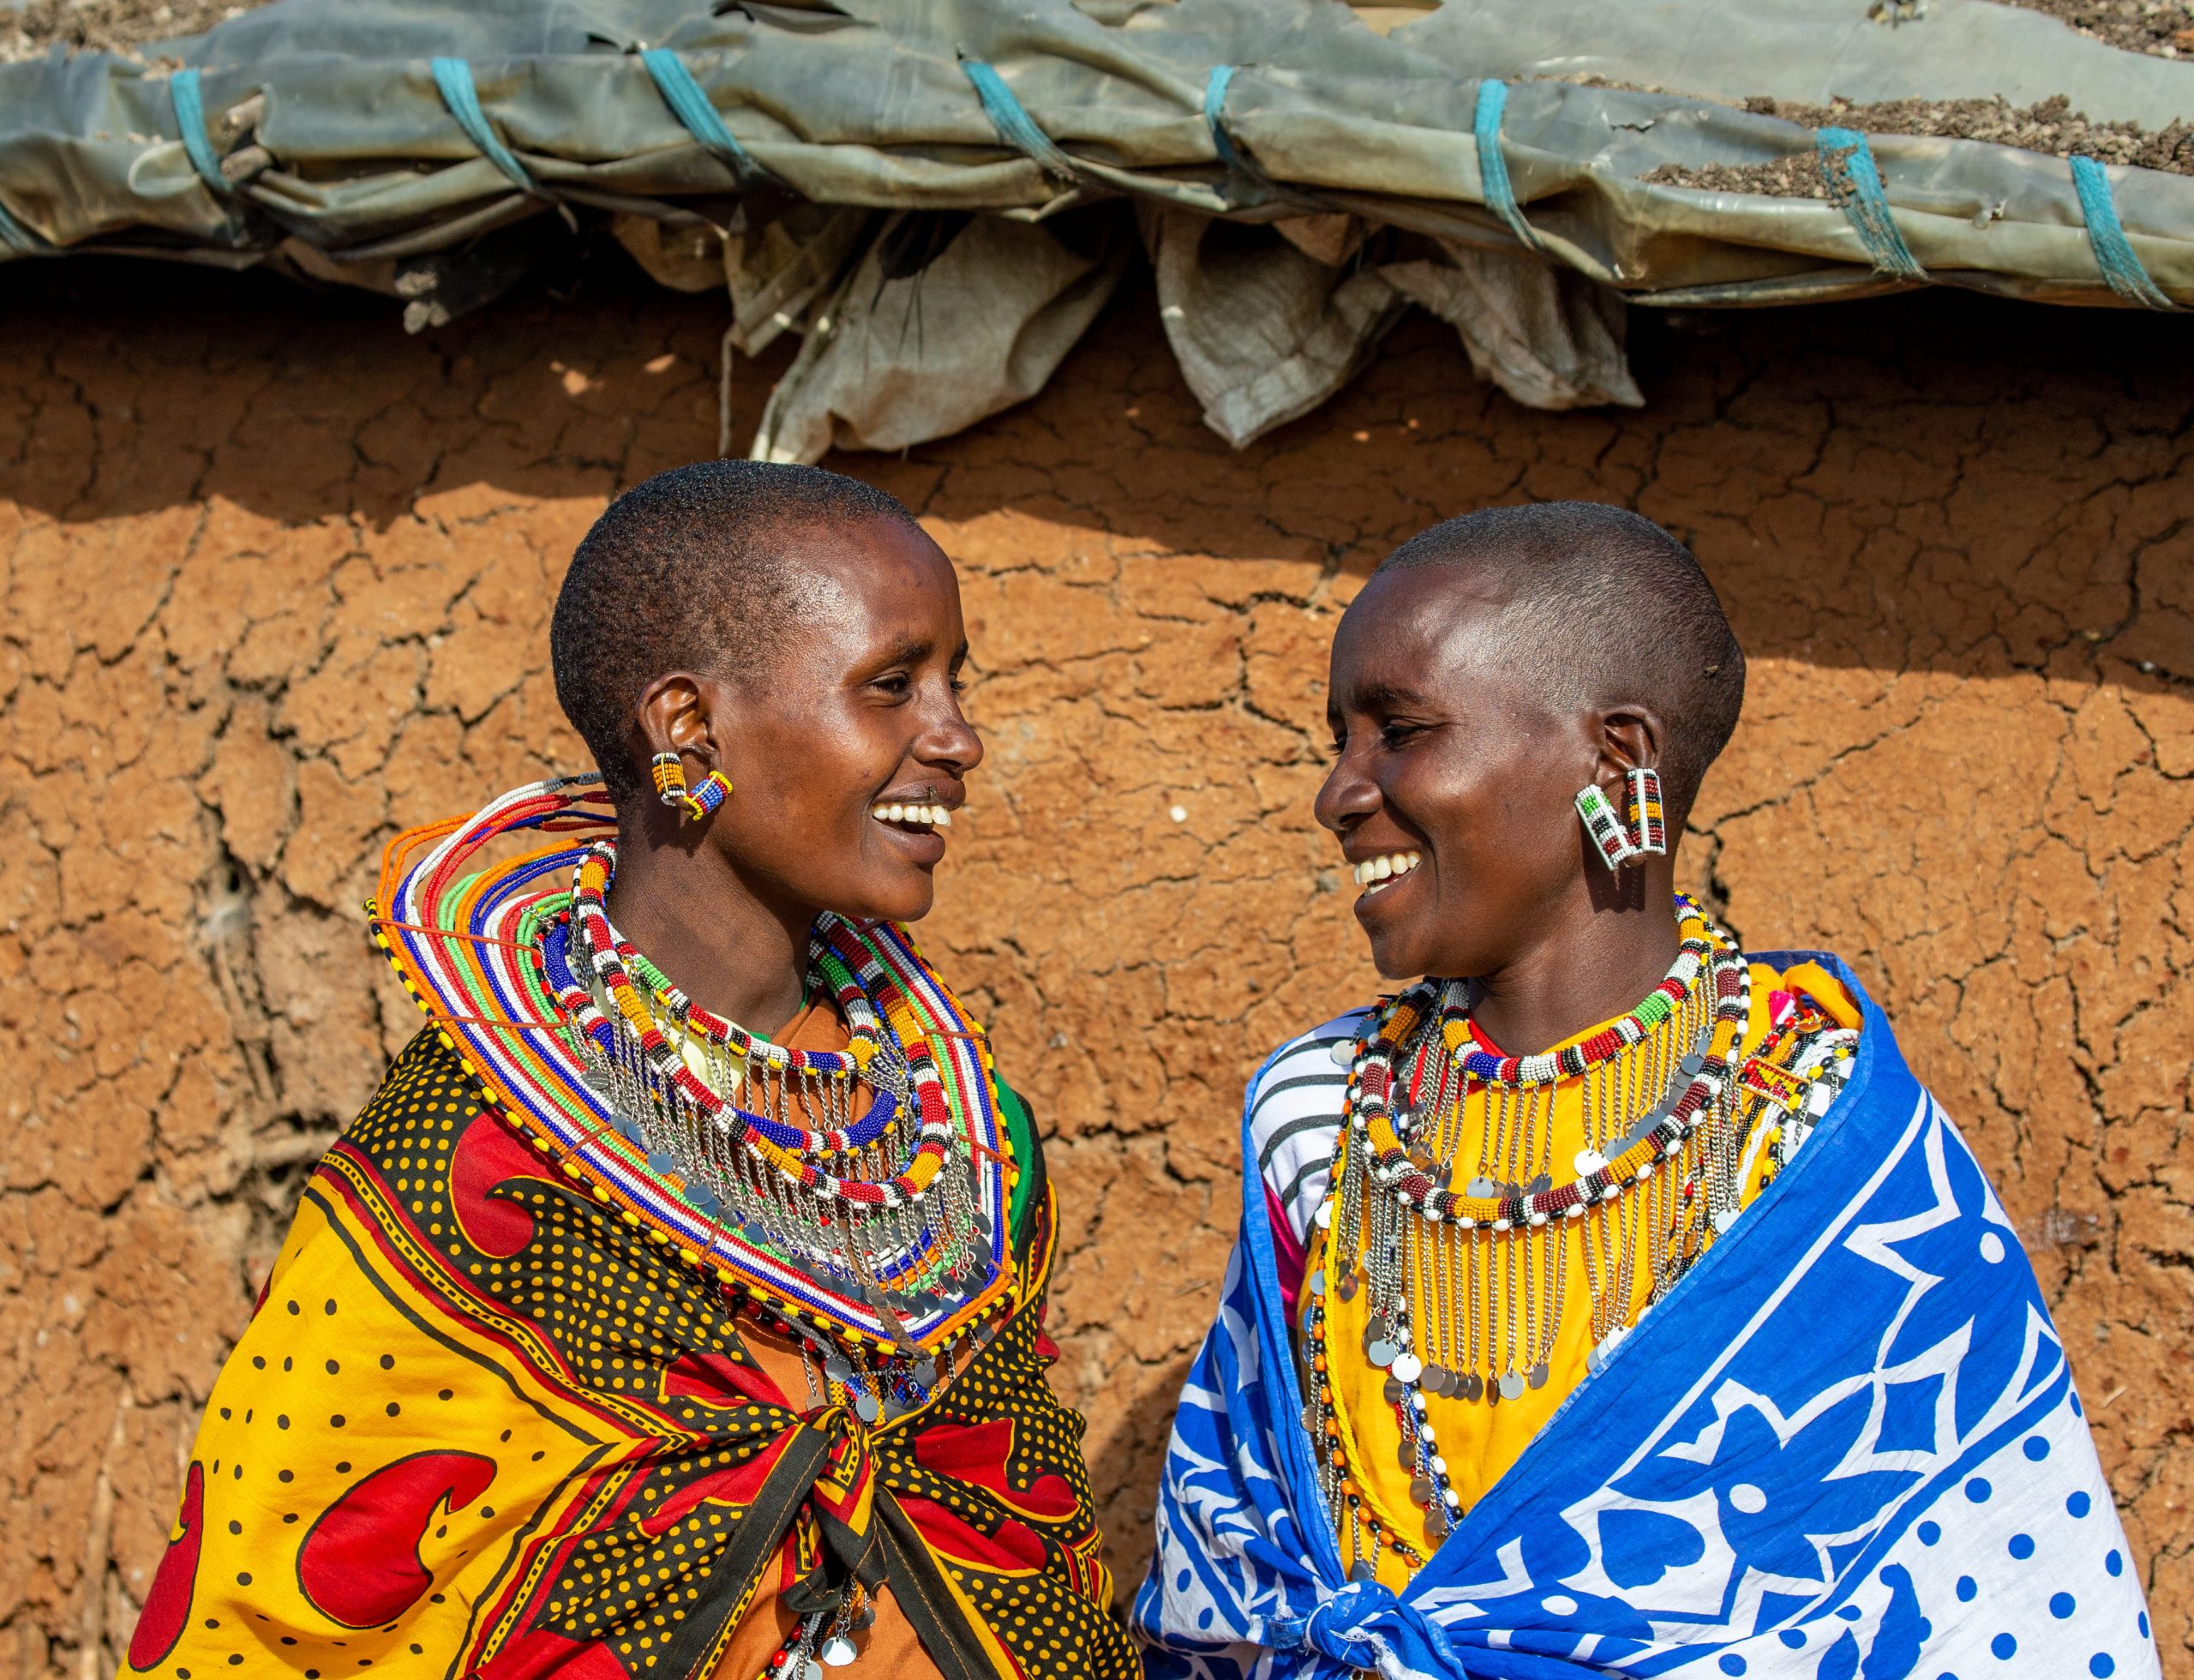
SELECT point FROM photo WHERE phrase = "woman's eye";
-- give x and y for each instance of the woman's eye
(1394, 734)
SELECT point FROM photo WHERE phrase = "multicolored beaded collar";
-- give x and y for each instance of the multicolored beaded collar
(466, 934)
(1659, 1134)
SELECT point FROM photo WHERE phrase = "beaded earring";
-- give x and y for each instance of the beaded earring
(1648, 827)
(1607, 829)
(668, 771)
(706, 798)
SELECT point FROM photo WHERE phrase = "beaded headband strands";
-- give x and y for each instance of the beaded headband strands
(468, 938)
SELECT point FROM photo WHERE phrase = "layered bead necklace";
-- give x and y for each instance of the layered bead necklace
(1444, 1205)
(883, 1202)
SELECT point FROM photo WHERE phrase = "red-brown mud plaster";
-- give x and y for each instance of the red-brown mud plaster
(276, 581)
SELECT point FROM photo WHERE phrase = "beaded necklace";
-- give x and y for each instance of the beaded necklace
(859, 1202)
(1467, 1285)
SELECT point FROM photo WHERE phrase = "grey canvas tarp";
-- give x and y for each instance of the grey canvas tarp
(938, 196)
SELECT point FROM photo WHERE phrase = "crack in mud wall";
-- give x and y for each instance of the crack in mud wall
(275, 582)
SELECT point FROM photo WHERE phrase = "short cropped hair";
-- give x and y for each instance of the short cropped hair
(1604, 606)
(688, 572)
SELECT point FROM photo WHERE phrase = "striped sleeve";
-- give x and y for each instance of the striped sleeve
(1295, 1116)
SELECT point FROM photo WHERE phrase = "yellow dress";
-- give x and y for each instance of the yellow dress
(1483, 1299)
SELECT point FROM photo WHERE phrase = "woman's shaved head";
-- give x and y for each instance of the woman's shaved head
(1492, 668)
(1600, 607)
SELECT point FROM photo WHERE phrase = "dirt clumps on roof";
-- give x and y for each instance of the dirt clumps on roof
(2052, 127)
(2164, 31)
(107, 26)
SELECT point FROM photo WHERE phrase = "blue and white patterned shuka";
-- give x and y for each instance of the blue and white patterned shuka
(1845, 1447)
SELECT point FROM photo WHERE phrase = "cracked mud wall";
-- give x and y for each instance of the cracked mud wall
(276, 581)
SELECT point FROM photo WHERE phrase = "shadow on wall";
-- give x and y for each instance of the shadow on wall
(2014, 459)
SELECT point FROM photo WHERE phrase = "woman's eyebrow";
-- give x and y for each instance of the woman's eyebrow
(1389, 697)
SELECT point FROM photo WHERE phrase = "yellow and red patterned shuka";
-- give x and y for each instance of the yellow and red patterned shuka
(489, 1420)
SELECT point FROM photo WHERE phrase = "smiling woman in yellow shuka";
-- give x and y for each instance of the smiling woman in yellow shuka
(617, 1338)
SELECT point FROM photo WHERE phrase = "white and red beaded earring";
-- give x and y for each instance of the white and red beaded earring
(1649, 831)
(1607, 829)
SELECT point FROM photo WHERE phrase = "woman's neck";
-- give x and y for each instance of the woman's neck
(1596, 961)
(689, 913)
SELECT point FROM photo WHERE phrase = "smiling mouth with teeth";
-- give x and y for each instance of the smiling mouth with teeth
(1374, 873)
(916, 818)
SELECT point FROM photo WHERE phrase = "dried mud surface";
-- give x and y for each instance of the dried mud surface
(274, 579)
(107, 26)
(2052, 127)
(2162, 28)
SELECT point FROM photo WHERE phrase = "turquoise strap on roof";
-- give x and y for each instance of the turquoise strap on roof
(1214, 116)
(693, 107)
(1247, 184)
(1492, 165)
(2114, 252)
(454, 77)
(1014, 125)
(1847, 164)
(189, 103)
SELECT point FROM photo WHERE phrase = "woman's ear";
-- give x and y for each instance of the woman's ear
(1630, 739)
(680, 712)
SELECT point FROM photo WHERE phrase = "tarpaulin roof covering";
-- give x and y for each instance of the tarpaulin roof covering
(1298, 170)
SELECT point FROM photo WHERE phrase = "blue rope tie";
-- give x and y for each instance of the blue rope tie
(1246, 183)
(189, 102)
(2114, 252)
(1014, 125)
(454, 78)
(1214, 116)
(1493, 166)
(1855, 185)
(693, 107)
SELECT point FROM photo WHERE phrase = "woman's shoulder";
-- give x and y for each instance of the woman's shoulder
(1294, 1113)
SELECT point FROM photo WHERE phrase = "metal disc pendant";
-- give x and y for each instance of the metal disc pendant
(1471, 1385)
(1512, 1385)
(1540, 1186)
(868, 1408)
(1724, 1221)
(1394, 1390)
(837, 1651)
(1310, 1417)
(926, 1372)
(837, 1367)
(809, 1669)
(1421, 1489)
(1435, 1523)
(1407, 1368)
(1381, 1354)
(1361, 1570)
(1538, 1374)
(1376, 1329)
(1351, 1282)
(1317, 1283)
(1482, 1188)
(1406, 1456)
(1436, 1379)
